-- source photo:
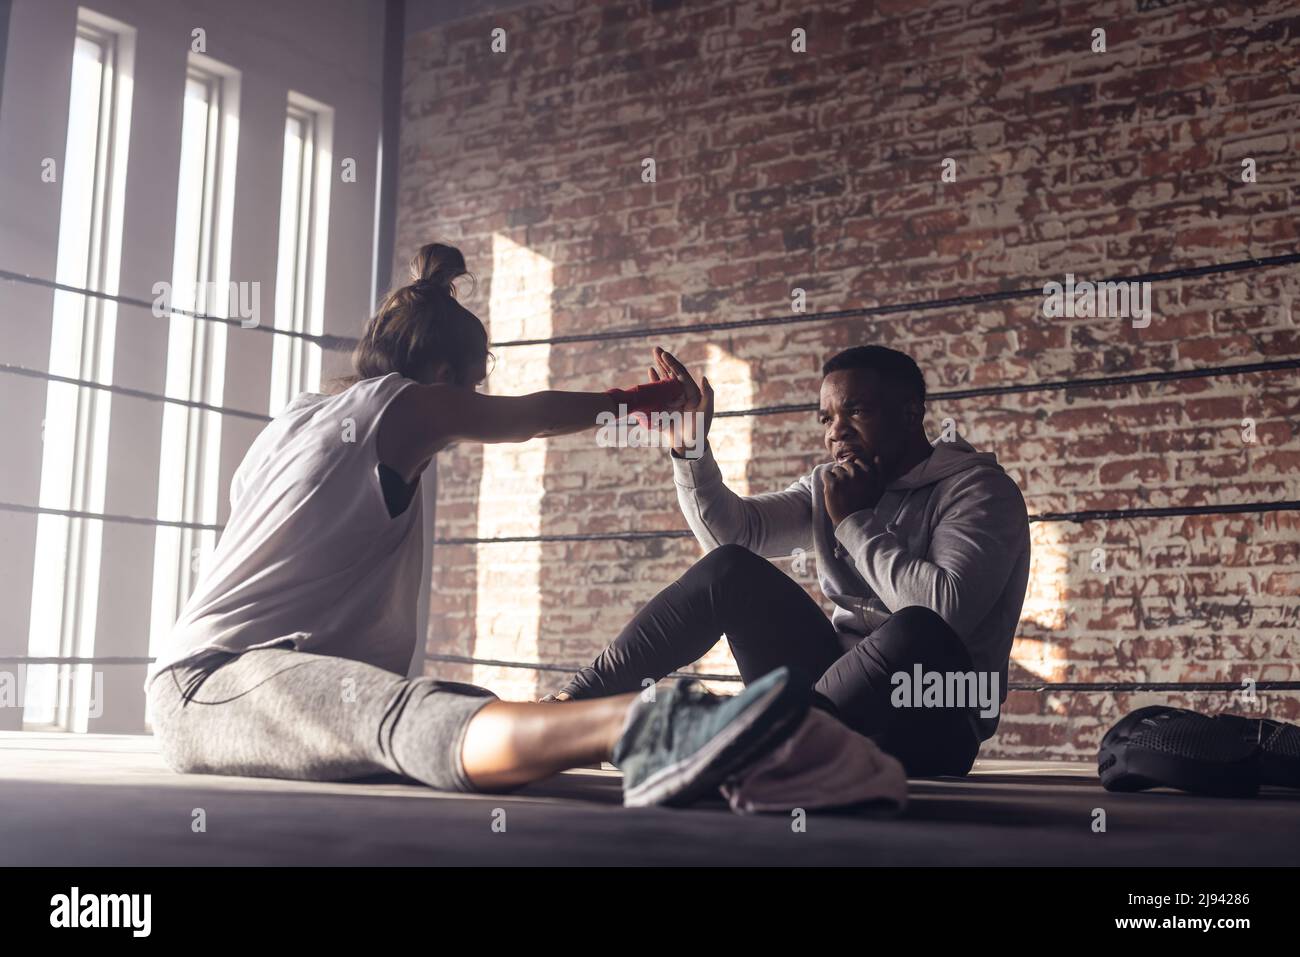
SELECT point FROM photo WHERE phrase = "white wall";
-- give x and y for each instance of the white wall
(329, 50)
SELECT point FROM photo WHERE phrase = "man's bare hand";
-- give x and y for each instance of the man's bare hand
(851, 487)
(687, 433)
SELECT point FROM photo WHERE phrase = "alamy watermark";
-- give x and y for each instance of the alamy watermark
(946, 689)
(243, 300)
(646, 430)
(41, 695)
(75, 909)
(1113, 300)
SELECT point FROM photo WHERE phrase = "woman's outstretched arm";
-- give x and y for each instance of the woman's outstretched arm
(423, 419)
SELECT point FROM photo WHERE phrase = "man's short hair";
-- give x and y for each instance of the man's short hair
(897, 368)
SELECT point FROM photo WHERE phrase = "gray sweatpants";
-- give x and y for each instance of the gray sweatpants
(280, 713)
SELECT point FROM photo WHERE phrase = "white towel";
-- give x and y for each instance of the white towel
(822, 765)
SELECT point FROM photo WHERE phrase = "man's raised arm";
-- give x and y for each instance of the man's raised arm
(771, 525)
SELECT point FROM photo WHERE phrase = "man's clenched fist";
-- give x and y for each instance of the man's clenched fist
(851, 487)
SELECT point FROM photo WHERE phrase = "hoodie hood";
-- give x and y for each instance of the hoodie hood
(948, 458)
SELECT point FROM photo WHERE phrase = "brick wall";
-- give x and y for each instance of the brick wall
(821, 170)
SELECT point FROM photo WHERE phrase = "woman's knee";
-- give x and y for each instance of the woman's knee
(178, 745)
(174, 746)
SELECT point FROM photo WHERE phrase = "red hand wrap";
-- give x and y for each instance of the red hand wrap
(661, 396)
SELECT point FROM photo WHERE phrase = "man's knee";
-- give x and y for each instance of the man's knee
(919, 619)
(917, 634)
(731, 561)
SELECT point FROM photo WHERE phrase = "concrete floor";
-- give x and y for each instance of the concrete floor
(109, 800)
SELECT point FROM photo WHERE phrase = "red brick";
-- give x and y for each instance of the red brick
(823, 172)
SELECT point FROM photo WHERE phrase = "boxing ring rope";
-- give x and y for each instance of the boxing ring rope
(1033, 686)
(106, 517)
(341, 343)
(1039, 686)
(1136, 378)
(1093, 515)
(923, 305)
(1079, 517)
(1057, 385)
(12, 369)
(333, 343)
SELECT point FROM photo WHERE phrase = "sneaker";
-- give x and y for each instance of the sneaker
(1278, 744)
(687, 742)
(1159, 746)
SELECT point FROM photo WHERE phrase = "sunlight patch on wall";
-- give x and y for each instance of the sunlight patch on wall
(731, 439)
(1049, 573)
(1044, 612)
(732, 443)
(512, 486)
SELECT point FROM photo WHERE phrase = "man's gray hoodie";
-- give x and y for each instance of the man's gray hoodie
(951, 535)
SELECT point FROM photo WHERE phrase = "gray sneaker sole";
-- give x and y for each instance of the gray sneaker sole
(705, 770)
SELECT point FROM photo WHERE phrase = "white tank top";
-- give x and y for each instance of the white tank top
(310, 555)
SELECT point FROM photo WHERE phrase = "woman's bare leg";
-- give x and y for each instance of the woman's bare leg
(508, 744)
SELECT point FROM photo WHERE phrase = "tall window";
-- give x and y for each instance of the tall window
(188, 480)
(75, 431)
(300, 273)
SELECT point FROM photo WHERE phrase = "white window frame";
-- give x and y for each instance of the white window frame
(65, 585)
(196, 352)
(306, 173)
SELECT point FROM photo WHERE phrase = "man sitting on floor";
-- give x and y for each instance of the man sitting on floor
(922, 548)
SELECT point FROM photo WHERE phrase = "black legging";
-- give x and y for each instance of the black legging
(770, 621)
